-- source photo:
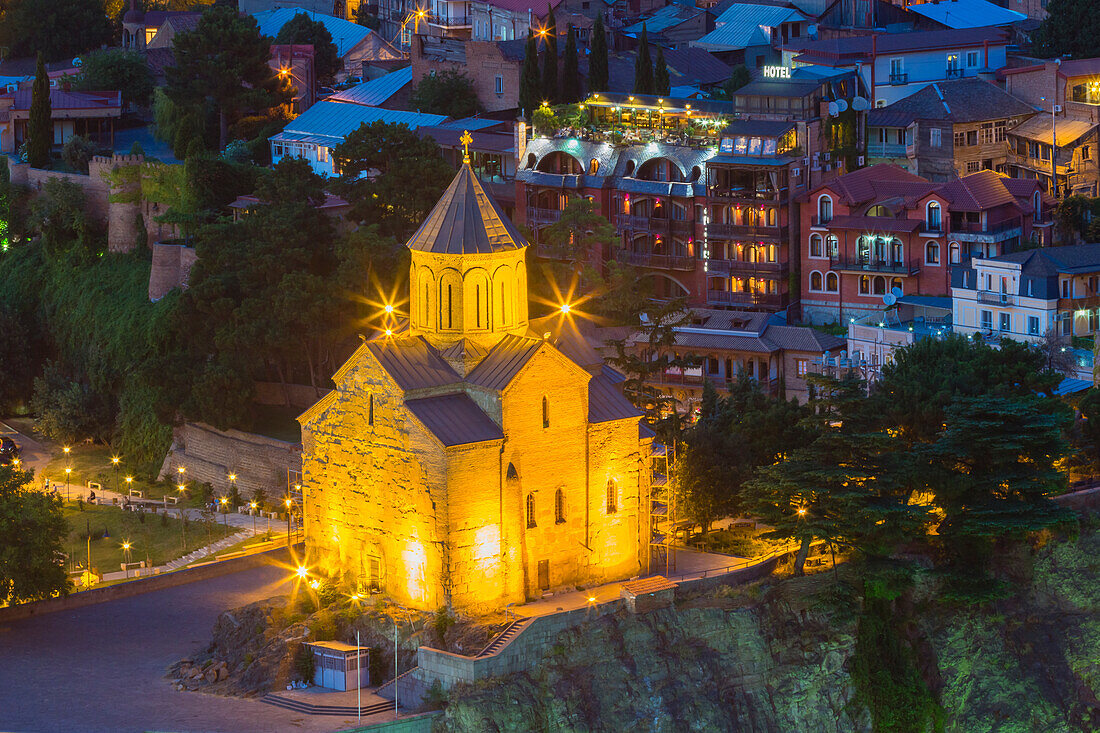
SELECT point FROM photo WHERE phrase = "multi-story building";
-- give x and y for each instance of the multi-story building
(492, 66)
(726, 345)
(701, 192)
(895, 65)
(1022, 295)
(881, 232)
(1069, 93)
(946, 130)
(482, 20)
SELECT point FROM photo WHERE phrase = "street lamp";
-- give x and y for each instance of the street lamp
(68, 472)
(115, 460)
(126, 557)
(225, 513)
(253, 505)
(129, 485)
(289, 503)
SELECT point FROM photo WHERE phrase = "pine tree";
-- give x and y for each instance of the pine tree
(550, 90)
(661, 83)
(529, 78)
(40, 125)
(643, 66)
(597, 57)
(570, 73)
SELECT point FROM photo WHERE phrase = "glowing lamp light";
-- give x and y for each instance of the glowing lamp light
(289, 502)
(592, 599)
(115, 460)
(565, 308)
(801, 511)
(129, 479)
(389, 332)
(69, 470)
(126, 545)
(314, 584)
(223, 500)
(252, 504)
(181, 487)
(389, 308)
(232, 477)
(67, 449)
(303, 571)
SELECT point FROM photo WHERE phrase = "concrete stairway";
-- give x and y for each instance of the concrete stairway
(343, 711)
(207, 551)
(505, 637)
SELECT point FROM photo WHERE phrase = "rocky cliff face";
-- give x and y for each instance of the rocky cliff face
(778, 656)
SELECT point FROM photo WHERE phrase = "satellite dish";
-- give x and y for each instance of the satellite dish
(833, 109)
(77, 61)
(889, 299)
(859, 104)
(896, 291)
(841, 105)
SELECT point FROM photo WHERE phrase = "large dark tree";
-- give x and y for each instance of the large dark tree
(32, 531)
(529, 83)
(60, 30)
(647, 354)
(1071, 27)
(661, 83)
(303, 29)
(411, 175)
(570, 69)
(223, 63)
(643, 66)
(40, 123)
(447, 93)
(117, 69)
(597, 58)
(550, 91)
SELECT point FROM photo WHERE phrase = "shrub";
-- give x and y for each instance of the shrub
(303, 663)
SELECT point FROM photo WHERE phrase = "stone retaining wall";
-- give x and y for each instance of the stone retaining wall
(171, 269)
(210, 455)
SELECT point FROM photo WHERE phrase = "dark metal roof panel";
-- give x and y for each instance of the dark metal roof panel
(504, 361)
(606, 403)
(466, 220)
(455, 419)
(412, 362)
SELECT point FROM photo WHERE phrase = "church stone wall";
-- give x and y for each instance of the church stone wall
(371, 490)
(619, 540)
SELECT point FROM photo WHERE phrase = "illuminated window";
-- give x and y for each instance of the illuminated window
(932, 217)
(932, 253)
(559, 507)
(801, 367)
(864, 285)
(832, 245)
(545, 412)
(832, 282)
(815, 245)
(612, 497)
(531, 511)
(824, 210)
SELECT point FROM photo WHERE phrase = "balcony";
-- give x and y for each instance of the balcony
(953, 73)
(975, 231)
(454, 21)
(886, 150)
(990, 297)
(744, 194)
(729, 231)
(872, 264)
(737, 267)
(899, 78)
(654, 225)
(931, 230)
(756, 300)
(536, 215)
(1085, 302)
(655, 261)
(820, 221)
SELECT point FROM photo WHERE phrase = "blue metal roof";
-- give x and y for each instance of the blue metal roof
(470, 123)
(345, 34)
(376, 91)
(336, 120)
(666, 17)
(739, 26)
(967, 13)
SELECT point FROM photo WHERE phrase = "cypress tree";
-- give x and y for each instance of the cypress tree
(550, 90)
(643, 66)
(529, 78)
(597, 57)
(661, 83)
(40, 124)
(570, 72)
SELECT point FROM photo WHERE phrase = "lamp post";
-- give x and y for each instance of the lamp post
(224, 501)
(126, 556)
(289, 503)
(115, 460)
(183, 521)
(129, 485)
(68, 472)
(253, 506)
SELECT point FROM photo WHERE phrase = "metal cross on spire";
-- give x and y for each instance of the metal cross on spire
(466, 139)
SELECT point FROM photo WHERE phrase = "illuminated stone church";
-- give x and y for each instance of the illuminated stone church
(475, 457)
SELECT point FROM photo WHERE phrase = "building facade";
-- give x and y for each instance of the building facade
(474, 457)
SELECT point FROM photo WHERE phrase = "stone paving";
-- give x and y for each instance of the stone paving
(101, 668)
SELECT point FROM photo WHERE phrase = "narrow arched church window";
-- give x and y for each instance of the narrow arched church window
(531, 511)
(370, 410)
(559, 506)
(545, 412)
(450, 308)
(477, 297)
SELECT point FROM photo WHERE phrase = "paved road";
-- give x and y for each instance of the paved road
(101, 668)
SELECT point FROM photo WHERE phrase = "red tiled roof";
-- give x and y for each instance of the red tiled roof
(537, 7)
(977, 191)
(879, 181)
(156, 18)
(874, 223)
(60, 99)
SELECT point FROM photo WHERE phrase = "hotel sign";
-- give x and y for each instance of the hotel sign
(777, 72)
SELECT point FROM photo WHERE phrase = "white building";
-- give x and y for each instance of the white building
(1024, 294)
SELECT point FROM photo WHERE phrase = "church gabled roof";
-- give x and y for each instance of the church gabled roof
(466, 220)
(412, 362)
(455, 419)
(504, 362)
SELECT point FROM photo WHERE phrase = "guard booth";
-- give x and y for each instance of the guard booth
(339, 666)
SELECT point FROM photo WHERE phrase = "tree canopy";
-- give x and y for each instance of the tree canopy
(571, 88)
(303, 29)
(530, 84)
(1071, 27)
(32, 532)
(550, 91)
(40, 122)
(60, 30)
(115, 68)
(643, 66)
(597, 58)
(447, 93)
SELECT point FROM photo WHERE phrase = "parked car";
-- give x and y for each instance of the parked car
(8, 451)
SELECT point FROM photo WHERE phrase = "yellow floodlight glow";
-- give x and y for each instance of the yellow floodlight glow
(115, 460)
(388, 308)
(565, 308)
(303, 571)
(801, 511)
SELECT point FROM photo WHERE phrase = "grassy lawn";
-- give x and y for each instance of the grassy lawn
(156, 539)
(740, 542)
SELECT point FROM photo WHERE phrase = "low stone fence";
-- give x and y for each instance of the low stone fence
(210, 455)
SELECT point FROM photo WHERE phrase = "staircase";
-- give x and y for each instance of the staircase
(386, 689)
(207, 551)
(343, 711)
(511, 631)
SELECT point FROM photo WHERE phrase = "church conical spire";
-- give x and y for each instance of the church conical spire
(466, 220)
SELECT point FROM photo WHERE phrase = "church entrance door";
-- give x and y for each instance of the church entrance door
(544, 575)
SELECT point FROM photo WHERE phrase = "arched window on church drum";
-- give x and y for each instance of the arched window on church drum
(370, 410)
(612, 496)
(545, 412)
(531, 511)
(559, 507)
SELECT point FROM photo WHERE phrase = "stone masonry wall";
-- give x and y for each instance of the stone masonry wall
(210, 455)
(171, 269)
